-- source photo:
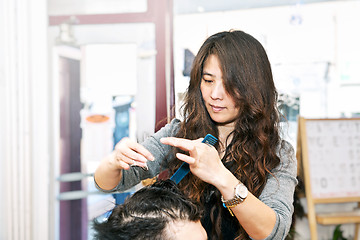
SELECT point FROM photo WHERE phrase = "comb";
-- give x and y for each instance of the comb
(185, 168)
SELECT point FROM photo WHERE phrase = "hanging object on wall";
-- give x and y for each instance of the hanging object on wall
(66, 34)
(296, 16)
(188, 60)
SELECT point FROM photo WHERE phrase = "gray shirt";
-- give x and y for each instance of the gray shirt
(278, 192)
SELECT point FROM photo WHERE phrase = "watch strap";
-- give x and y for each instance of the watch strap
(232, 202)
(236, 200)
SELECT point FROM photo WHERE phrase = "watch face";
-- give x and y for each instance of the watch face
(241, 191)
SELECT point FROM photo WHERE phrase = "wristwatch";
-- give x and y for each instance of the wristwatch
(241, 193)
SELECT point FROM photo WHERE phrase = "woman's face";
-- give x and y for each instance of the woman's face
(220, 105)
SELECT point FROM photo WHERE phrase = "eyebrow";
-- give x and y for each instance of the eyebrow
(208, 74)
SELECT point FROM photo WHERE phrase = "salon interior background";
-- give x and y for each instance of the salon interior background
(312, 45)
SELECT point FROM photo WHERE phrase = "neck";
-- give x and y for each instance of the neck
(224, 132)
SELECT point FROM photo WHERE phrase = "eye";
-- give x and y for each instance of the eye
(207, 80)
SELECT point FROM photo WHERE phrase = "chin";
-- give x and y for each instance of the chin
(222, 121)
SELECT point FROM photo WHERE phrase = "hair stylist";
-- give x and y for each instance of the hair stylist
(247, 181)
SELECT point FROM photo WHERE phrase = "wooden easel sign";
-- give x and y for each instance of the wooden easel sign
(330, 150)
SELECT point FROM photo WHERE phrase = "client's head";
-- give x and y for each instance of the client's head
(157, 212)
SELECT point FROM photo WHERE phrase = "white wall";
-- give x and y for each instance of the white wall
(23, 125)
(70, 7)
(3, 219)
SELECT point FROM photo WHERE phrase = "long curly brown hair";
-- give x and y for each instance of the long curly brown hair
(247, 76)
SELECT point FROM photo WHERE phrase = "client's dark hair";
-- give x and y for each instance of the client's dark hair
(146, 214)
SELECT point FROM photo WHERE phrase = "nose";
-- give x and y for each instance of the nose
(218, 91)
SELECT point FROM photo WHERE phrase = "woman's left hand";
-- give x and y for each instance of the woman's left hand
(203, 159)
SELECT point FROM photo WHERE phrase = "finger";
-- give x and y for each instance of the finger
(118, 162)
(123, 165)
(126, 143)
(141, 150)
(130, 161)
(185, 158)
(183, 144)
(139, 164)
(131, 154)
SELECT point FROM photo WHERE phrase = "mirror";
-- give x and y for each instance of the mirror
(106, 77)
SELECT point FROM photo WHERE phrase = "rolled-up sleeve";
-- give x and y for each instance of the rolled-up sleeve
(160, 152)
(279, 192)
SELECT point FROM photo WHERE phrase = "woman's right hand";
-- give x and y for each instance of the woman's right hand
(129, 153)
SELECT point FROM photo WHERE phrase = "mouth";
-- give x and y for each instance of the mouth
(216, 108)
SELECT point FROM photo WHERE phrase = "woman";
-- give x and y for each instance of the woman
(246, 182)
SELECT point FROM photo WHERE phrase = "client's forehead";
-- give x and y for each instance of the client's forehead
(185, 229)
